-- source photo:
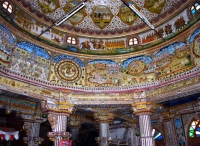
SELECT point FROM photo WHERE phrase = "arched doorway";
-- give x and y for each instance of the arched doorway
(194, 132)
(158, 137)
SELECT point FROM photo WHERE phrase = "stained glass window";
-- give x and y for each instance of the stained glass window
(133, 41)
(156, 134)
(194, 130)
(7, 6)
(195, 8)
(71, 40)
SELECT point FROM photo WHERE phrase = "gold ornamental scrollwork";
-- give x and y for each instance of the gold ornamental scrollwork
(141, 108)
(103, 117)
(53, 118)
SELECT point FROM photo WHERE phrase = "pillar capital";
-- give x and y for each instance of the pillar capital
(167, 116)
(103, 117)
(130, 124)
(143, 108)
(32, 132)
(61, 107)
(75, 121)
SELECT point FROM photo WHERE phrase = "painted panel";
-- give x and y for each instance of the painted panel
(180, 131)
(31, 60)
(103, 73)
(6, 45)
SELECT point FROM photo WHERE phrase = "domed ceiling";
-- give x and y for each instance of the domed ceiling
(102, 18)
(174, 58)
(102, 27)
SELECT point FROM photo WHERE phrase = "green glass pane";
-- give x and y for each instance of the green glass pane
(191, 128)
(191, 134)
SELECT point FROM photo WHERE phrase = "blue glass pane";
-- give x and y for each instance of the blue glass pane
(193, 11)
(198, 129)
(196, 4)
(159, 138)
(197, 135)
(181, 142)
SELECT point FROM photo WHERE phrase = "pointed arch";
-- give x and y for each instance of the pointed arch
(193, 130)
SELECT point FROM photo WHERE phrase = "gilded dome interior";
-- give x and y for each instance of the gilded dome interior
(103, 58)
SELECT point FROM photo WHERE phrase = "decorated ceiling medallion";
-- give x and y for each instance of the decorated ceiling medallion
(78, 16)
(155, 6)
(127, 15)
(101, 16)
(68, 71)
(48, 6)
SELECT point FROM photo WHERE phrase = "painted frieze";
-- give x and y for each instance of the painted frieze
(195, 46)
(104, 73)
(172, 60)
(6, 46)
(139, 69)
(31, 60)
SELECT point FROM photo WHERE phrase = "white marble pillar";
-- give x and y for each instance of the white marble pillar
(146, 138)
(58, 124)
(74, 131)
(130, 135)
(32, 131)
(143, 110)
(103, 118)
(104, 133)
(58, 111)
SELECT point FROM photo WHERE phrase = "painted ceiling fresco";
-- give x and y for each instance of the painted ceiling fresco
(102, 27)
(32, 61)
(35, 66)
(101, 16)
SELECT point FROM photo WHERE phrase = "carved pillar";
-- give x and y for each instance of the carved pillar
(143, 110)
(169, 130)
(75, 122)
(57, 116)
(132, 130)
(103, 119)
(32, 129)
